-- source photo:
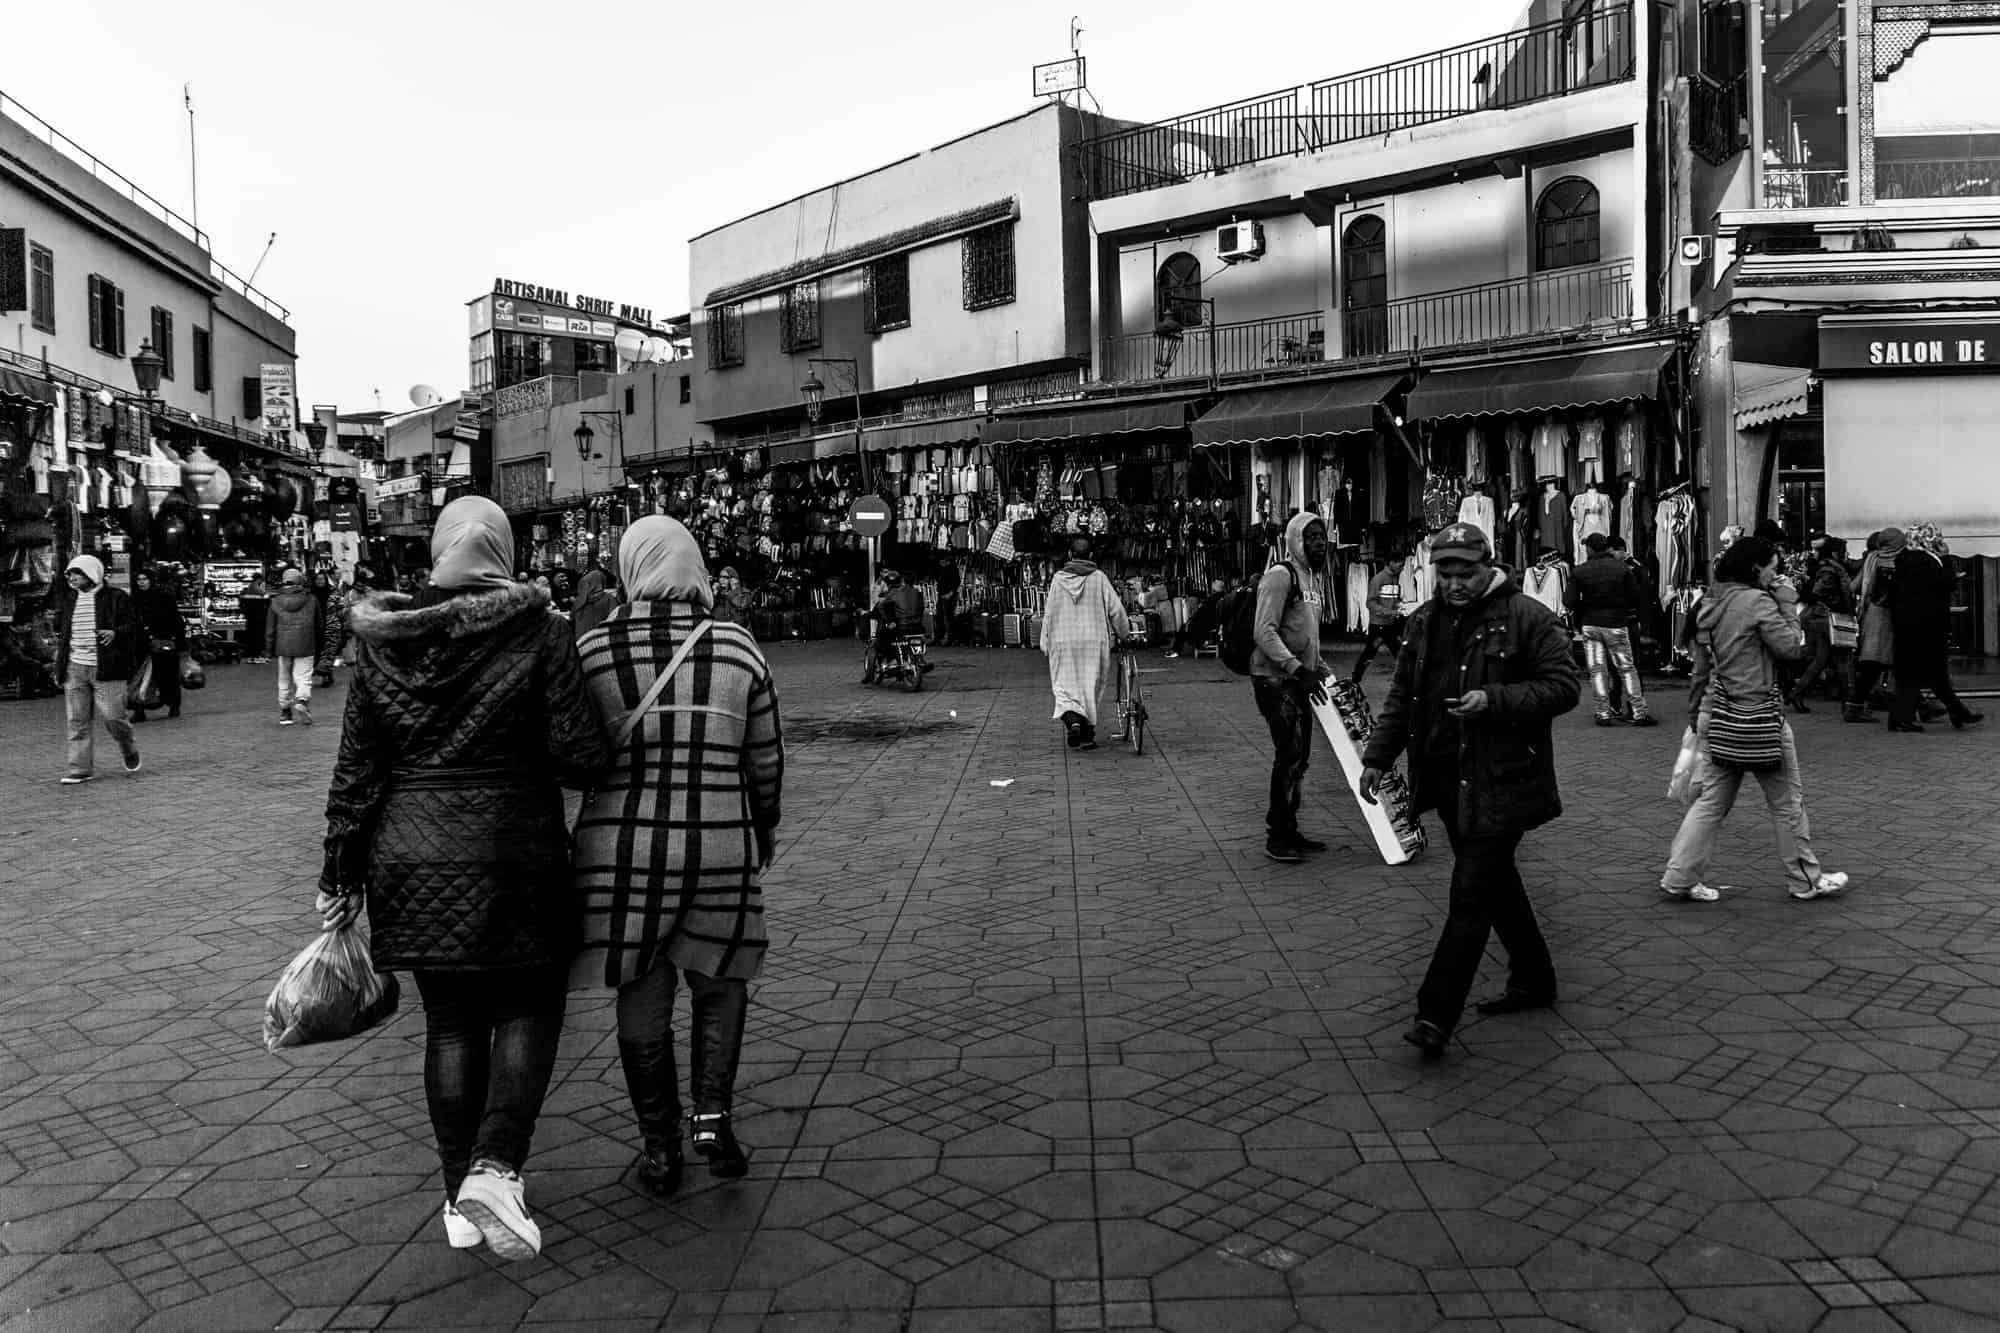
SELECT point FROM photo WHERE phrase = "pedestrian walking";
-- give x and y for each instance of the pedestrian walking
(596, 598)
(1385, 615)
(1082, 618)
(1746, 625)
(292, 636)
(1824, 595)
(98, 644)
(671, 844)
(1485, 669)
(255, 603)
(1287, 677)
(1604, 597)
(1200, 625)
(1875, 654)
(949, 581)
(332, 618)
(165, 630)
(465, 715)
(1920, 614)
(732, 599)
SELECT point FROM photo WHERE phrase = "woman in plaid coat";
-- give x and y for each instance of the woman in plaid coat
(670, 847)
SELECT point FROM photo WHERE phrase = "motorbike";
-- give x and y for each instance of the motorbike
(904, 661)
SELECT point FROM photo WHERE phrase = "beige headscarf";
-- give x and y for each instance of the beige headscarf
(659, 561)
(472, 546)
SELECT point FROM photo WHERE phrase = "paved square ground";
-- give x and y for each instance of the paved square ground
(1044, 1043)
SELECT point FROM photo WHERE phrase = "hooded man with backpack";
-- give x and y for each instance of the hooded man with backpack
(1288, 677)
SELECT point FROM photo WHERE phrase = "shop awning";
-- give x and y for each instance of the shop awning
(19, 387)
(1767, 393)
(1575, 379)
(1296, 411)
(924, 435)
(1081, 421)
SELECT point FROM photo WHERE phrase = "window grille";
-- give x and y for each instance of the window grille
(1566, 225)
(988, 256)
(725, 336)
(889, 294)
(799, 317)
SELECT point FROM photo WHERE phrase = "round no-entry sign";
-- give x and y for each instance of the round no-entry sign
(869, 515)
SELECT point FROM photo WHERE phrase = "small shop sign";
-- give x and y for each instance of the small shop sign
(1924, 345)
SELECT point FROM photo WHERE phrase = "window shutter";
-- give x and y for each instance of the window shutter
(253, 400)
(119, 298)
(96, 311)
(13, 268)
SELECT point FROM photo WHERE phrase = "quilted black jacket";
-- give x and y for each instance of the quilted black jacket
(465, 717)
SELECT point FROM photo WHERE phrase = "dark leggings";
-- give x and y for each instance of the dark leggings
(646, 1047)
(489, 1051)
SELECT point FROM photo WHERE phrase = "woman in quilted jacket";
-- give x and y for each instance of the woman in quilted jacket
(465, 717)
(669, 850)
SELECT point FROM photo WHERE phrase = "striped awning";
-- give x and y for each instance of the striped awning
(1079, 421)
(1768, 393)
(1296, 411)
(19, 387)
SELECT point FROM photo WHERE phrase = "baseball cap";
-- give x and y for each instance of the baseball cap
(1460, 541)
(294, 576)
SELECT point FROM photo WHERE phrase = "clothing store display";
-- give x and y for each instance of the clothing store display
(1551, 446)
(1554, 523)
(1590, 448)
(1590, 512)
(1478, 509)
(1673, 536)
(1632, 458)
(1547, 584)
(1475, 456)
(1519, 475)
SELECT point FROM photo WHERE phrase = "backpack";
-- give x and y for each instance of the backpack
(1236, 613)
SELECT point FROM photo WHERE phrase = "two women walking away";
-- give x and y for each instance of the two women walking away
(465, 717)
(1744, 628)
(672, 843)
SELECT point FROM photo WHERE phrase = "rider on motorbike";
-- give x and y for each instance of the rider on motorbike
(898, 611)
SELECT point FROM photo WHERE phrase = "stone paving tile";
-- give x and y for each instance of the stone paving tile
(1066, 1054)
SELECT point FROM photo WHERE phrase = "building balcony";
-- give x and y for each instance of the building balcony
(1595, 297)
(1595, 48)
(1938, 178)
(1804, 187)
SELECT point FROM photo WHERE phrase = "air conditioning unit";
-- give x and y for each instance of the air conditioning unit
(1239, 241)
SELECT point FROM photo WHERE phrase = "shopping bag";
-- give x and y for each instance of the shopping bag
(331, 990)
(1686, 783)
(192, 676)
(140, 692)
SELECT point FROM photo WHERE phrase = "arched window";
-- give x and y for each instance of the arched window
(1566, 224)
(1177, 290)
(1364, 287)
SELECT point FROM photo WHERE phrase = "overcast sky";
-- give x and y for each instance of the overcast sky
(406, 152)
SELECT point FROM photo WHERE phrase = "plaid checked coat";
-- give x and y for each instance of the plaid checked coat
(666, 847)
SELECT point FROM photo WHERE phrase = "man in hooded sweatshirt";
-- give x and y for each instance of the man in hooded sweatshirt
(1288, 677)
(1081, 621)
(98, 644)
(291, 634)
(1483, 672)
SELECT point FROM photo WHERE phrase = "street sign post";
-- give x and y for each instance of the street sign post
(869, 517)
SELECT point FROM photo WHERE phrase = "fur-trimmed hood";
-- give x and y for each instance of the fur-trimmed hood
(394, 617)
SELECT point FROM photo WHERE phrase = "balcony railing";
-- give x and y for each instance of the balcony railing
(1719, 114)
(1201, 352)
(1938, 178)
(1591, 50)
(1804, 187)
(1596, 296)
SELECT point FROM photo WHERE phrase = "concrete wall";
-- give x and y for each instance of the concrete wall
(1020, 159)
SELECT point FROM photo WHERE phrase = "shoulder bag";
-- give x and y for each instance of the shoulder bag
(1747, 735)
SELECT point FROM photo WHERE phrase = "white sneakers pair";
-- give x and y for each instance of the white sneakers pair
(1828, 884)
(491, 1207)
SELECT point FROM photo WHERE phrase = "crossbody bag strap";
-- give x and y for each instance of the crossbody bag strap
(660, 683)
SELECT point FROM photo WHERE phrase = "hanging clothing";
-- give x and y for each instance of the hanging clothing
(1547, 584)
(1553, 521)
(1357, 597)
(1407, 579)
(1520, 476)
(1475, 457)
(1551, 446)
(1589, 512)
(1590, 448)
(1673, 545)
(1478, 510)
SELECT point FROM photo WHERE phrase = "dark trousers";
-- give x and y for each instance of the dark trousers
(646, 1048)
(1288, 712)
(490, 1049)
(1911, 682)
(1867, 675)
(1487, 897)
(1380, 633)
(167, 678)
(947, 612)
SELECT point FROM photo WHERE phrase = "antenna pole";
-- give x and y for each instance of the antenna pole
(194, 191)
(251, 281)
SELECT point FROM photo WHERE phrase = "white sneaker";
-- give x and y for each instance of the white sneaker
(1825, 886)
(1700, 893)
(459, 1230)
(491, 1199)
(302, 713)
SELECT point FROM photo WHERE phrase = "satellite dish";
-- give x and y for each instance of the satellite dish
(1191, 159)
(653, 349)
(629, 343)
(423, 395)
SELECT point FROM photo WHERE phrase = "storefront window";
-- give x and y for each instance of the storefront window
(1805, 107)
(1937, 121)
(1801, 479)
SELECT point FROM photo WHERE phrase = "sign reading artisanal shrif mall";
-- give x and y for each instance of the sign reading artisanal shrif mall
(1912, 343)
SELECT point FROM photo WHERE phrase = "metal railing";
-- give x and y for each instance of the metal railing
(164, 411)
(1202, 352)
(105, 174)
(1937, 178)
(1717, 112)
(1594, 49)
(1804, 187)
(1564, 300)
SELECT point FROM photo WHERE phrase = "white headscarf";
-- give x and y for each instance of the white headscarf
(660, 561)
(90, 567)
(472, 546)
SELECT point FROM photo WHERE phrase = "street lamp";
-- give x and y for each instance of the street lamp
(583, 435)
(814, 392)
(315, 436)
(146, 367)
(1170, 332)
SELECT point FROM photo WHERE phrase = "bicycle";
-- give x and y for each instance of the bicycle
(1131, 697)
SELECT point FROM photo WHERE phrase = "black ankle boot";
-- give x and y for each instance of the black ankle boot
(660, 1171)
(715, 1141)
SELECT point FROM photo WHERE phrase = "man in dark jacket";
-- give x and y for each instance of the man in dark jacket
(1483, 671)
(98, 642)
(1605, 596)
(292, 631)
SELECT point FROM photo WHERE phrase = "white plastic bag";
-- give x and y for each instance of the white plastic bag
(331, 990)
(1690, 770)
